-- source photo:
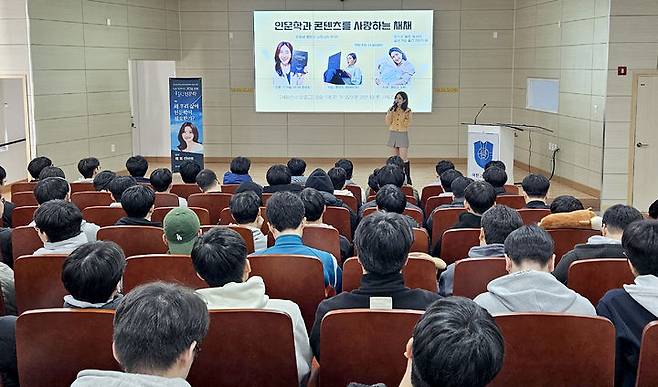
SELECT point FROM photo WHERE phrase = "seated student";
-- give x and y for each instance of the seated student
(56, 188)
(314, 206)
(51, 171)
(535, 191)
(250, 186)
(530, 286)
(338, 177)
(239, 171)
(245, 208)
(206, 179)
(390, 198)
(279, 179)
(58, 224)
(441, 167)
(389, 174)
(404, 166)
(88, 168)
(373, 184)
(653, 210)
(455, 343)
(497, 223)
(447, 178)
(137, 167)
(161, 180)
(188, 171)
(220, 258)
(8, 366)
(8, 207)
(118, 186)
(458, 188)
(606, 245)
(8, 289)
(92, 275)
(36, 165)
(138, 202)
(285, 213)
(348, 166)
(497, 177)
(181, 230)
(632, 307)
(495, 163)
(103, 179)
(158, 329)
(297, 168)
(383, 241)
(479, 196)
(319, 180)
(566, 203)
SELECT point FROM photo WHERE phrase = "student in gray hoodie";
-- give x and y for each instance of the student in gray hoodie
(530, 286)
(58, 224)
(158, 328)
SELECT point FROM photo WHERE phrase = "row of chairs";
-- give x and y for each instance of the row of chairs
(256, 348)
(436, 190)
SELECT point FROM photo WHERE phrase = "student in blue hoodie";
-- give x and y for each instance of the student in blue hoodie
(239, 171)
(634, 306)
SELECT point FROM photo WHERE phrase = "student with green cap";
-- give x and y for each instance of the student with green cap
(181, 230)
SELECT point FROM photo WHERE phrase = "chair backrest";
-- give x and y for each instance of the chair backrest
(214, 202)
(24, 241)
(292, 277)
(428, 192)
(647, 372)
(322, 238)
(350, 201)
(246, 347)
(371, 347)
(135, 240)
(82, 187)
(91, 199)
(513, 201)
(415, 214)
(421, 241)
(229, 188)
(265, 197)
(592, 278)
(226, 217)
(566, 238)
(356, 191)
(103, 215)
(533, 215)
(511, 188)
(246, 234)
(22, 199)
(24, 186)
(408, 190)
(536, 345)
(435, 201)
(184, 190)
(38, 281)
(160, 213)
(141, 269)
(472, 275)
(165, 199)
(455, 244)
(442, 220)
(339, 217)
(419, 273)
(22, 216)
(49, 354)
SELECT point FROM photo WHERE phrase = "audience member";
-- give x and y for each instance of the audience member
(161, 180)
(497, 177)
(566, 203)
(606, 245)
(348, 166)
(58, 224)
(389, 174)
(181, 230)
(239, 171)
(158, 329)
(338, 177)
(297, 168)
(458, 188)
(92, 275)
(8, 207)
(455, 344)
(88, 168)
(442, 166)
(390, 198)
(373, 183)
(102, 180)
(653, 210)
(36, 165)
(118, 186)
(495, 163)
(632, 307)
(188, 170)
(138, 202)
(530, 286)
(51, 171)
(404, 166)
(535, 191)
(497, 223)
(314, 207)
(251, 186)
(220, 259)
(479, 196)
(8, 290)
(447, 178)
(383, 241)
(319, 180)
(285, 213)
(206, 179)
(137, 167)
(245, 208)
(279, 179)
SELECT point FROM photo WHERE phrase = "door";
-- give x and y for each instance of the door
(14, 130)
(645, 163)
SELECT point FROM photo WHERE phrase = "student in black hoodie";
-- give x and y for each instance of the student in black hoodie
(535, 190)
(138, 202)
(497, 177)
(389, 174)
(279, 179)
(606, 245)
(319, 180)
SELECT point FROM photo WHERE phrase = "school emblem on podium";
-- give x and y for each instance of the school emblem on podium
(483, 153)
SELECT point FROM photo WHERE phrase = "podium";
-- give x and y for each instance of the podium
(490, 142)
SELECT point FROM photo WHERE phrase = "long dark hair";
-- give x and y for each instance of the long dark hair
(277, 61)
(405, 104)
(182, 144)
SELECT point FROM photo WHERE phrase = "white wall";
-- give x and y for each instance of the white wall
(12, 127)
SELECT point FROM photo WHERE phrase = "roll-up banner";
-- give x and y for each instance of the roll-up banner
(186, 121)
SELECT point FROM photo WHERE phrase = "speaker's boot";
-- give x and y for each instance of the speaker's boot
(407, 171)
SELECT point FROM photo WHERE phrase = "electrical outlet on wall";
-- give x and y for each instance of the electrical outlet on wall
(113, 148)
(552, 147)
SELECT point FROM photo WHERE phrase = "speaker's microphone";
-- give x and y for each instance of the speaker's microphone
(475, 120)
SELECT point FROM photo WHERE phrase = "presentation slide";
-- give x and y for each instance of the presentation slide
(330, 61)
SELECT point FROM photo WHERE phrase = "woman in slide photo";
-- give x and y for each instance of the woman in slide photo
(283, 73)
(398, 119)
